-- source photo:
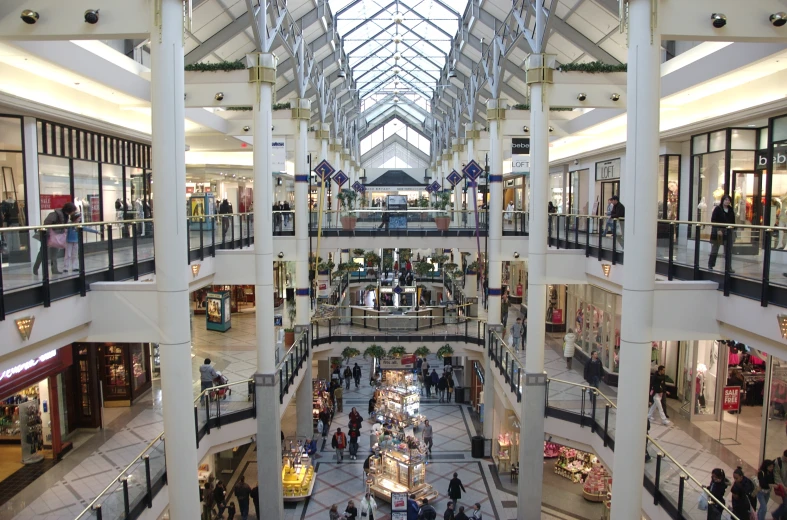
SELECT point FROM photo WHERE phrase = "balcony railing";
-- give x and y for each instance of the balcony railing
(413, 222)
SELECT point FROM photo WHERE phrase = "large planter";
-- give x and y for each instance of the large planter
(289, 339)
(442, 223)
(348, 223)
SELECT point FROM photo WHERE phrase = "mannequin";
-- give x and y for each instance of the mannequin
(717, 194)
(701, 208)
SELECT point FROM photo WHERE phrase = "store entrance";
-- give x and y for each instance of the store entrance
(608, 190)
(747, 202)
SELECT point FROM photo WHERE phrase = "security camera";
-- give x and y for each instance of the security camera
(281, 254)
(516, 255)
(718, 20)
(246, 128)
(525, 129)
(219, 96)
(778, 19)
(551, 129)
(582, 96)
(91, 16)
(29, 17)
(615, 97)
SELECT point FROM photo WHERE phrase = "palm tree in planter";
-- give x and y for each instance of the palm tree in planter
(348, 217)
(440, 259)
(442, 219)
(372, 260)
(375, 351)
(445, 351)
(397, 352)
(349, 353)
(422, 268)
(422, 352)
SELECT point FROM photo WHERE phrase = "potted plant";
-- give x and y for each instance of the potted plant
(450, 267)
(423, 268)
(445, 351)
(289, 332)
(375, 351)
(359, 252)
(442, 200)
(348, 218)
(397, 352)
(350, 352)
(325, 267)
(387, 264)
(472, 268)
(372, 260)
(422, 352)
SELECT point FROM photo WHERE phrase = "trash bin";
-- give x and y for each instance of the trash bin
(459, 392)
(477, 447)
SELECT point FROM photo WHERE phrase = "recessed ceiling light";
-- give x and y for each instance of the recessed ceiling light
(752, 125)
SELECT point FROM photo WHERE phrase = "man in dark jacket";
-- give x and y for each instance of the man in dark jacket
(449, 511)
(59, 216)
(657, 384)
(357, 375)
(442, 384)
(412, 508)
(593, 373)
(242, 493)
(618, 212)
(427, 512)
(225, 209)
(460, 515)
(255, 497)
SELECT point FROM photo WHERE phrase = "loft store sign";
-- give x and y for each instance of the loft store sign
(608, 170)
(27, 365)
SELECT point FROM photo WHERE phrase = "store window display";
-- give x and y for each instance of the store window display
(596, 317)
(557, 191)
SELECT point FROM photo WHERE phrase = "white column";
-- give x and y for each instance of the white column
(267, 386)
(32, 181)
(301, 223)
(531, 437)
(642, 158)
(169, 177)
(456, 147)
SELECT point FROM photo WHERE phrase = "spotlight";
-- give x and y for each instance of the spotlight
(778, 19)
(582, 96)
(91, 16)
(395, 99)
(516, 255)
(718, 20)
(29, 16)
(246, 128)
(606, 268)
(219, 96)
(615, 97)
(281, 254)
(525, 129)
(551, 129)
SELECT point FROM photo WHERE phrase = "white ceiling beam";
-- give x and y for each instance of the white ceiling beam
(223, 36)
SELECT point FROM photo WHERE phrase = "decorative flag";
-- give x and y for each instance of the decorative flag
(324, 170)
(435, 186)
(340, 178)
(454, 178)
(472, 170)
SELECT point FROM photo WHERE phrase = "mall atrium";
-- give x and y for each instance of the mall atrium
(483, 234)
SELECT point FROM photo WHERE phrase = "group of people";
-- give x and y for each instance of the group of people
(215, 501)
(341, 441)
(443, 385)
(749, 495)
(281, 214)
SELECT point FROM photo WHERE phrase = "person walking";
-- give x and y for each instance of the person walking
(206, 376)
(255, 498)
(207, 502)
(412, 508)
(427, 436)
(338, 397)
(455, 488)
(355, 419)
(55, 237)
(449, 378)
(442, 384)
(741, 490)
(372, 405)
(434, 379)
(71, 260)
(657, 387)
(220, 497)
(449, 511)
(350, 512)
(719, 235)
(569, 344)
(427, 511)
(593, 370)
(231, 510)
(339, 443)
(619, 214)
(225, 209)
(348, 376)
(333, 513)
(767, 480)
(717, 488)
(608, 213)
(368, 507)
(354, 434)
(516, 333)
(242, 493)
(357, 375)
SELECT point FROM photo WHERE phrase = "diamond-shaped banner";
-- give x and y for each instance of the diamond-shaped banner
(340, 178)
(324, 170)
(454, 178)
(435, 186)
(398, 290)
(363, 188)
(356, 186)
(472, 171)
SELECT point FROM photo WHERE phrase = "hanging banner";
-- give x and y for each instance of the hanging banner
(278, 155)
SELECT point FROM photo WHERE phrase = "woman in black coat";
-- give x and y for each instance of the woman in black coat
(717, 488)
(722, 214)
(455, 488)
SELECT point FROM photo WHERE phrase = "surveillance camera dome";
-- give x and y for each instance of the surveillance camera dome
(246, 128)
(615, 97)
(219, 96)
(582, 96)
(718, 20)
(778, 19)
(91, 16)
(29, 17)
(281, 254)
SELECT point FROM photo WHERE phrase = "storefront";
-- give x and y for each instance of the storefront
(122, 369)
(516, 191)
(242, 298)
(607, 182)
(34, 414)
(595, 319)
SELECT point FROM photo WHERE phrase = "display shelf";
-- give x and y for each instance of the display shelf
(297, 474)
(401, 468)
(575, 465)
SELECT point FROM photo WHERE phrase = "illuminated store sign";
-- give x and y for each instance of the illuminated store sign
(27, 365)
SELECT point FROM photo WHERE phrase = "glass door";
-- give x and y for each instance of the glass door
(747, 201)
(608, 190)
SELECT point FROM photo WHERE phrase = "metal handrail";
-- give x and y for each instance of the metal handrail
(668, 221)
(108, 223)
(289, 350)
(120, 475)
(213, 388)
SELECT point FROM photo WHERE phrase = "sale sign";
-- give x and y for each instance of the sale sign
(731, 400)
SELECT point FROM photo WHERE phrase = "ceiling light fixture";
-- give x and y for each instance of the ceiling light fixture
(525, 129)
(718, 20)
(195, 270)
(396, 99)
(551, 129)
(397, 38)
(91, 16)
(398, 18)
(219, 96)
(615, 97)
(342, 74)
(516, 255)
(29, 16)
(246, 128)
(778, 19)
(606, 268)
(782, 324)
(582, 96)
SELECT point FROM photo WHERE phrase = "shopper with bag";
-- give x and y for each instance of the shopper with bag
(767, 481)
(339, 443)
(717, 488)
(569, 345)
(55, 238)
(368, 507)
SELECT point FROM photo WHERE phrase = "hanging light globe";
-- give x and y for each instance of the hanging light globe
(398, 18)
(397, 56)
(396, 99)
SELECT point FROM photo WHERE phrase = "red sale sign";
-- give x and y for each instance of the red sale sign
(731, 400)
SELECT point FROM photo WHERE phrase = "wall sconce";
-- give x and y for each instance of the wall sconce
(516, 254)
(606, 268)
(718, 20)
(195, 269)
(778, 19)
(782, 324)
(25, 326)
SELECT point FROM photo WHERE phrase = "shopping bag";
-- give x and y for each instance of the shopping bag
(56, 240)
(752, 515)
(702, 502)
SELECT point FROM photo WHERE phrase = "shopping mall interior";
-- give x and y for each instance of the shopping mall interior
(486, 234)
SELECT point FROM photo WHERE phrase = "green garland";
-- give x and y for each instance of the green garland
(224, 66)
(592, 67)
(239, 109)
(281, 106)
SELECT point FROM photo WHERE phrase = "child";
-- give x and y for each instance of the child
(231, 510)
(72, 244)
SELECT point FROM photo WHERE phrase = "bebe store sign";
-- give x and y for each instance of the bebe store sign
(779, 158)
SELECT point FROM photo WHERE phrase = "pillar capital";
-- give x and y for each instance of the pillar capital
(540, 68)
(301, 109)
(495, 109)
(263, 68)
(473, 134)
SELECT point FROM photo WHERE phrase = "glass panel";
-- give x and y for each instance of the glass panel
(710, 185)
(718, 140)
(54, 180)
(777, 411)
(86, 195)
(112, 179)
(10, 133)
(705, 377)
(556, 190)
(673, 183)
(699, 144)
(139, 374)
(743, 139)
(661, 179)
(763, 139)
(780, 129)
